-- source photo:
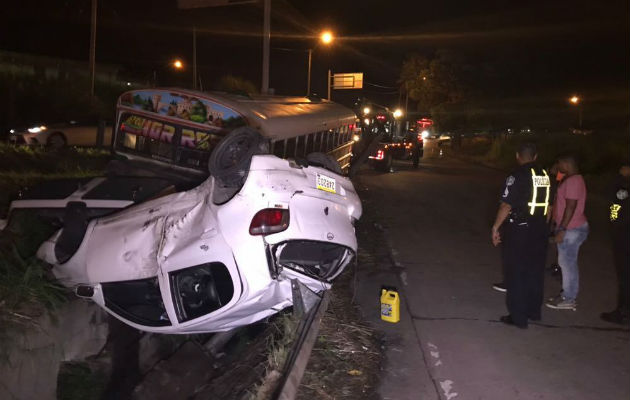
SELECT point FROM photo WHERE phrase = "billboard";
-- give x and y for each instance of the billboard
(351, 80)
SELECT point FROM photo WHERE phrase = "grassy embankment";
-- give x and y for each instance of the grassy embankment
(600, 155)
(26, 288)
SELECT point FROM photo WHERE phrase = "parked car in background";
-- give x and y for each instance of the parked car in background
(61, 134)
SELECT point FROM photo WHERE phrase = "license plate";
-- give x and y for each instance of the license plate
(326, 183)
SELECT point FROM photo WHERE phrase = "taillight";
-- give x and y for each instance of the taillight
(379, 155)
(268, 221)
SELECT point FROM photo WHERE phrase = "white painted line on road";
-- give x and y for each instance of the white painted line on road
(403, 278)
(447, 386)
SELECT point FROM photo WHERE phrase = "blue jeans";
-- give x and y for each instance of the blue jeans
(568, 259)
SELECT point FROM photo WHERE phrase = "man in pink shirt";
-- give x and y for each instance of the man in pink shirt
(571, 231)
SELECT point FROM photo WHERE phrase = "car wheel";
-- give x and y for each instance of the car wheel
(230, 160)
(56, 141)
(325, 161)
(386, 164)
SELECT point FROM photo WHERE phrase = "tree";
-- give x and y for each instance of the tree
(236, 84)
(437, 84)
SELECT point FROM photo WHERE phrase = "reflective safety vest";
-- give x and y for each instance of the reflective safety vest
(614, 212)
(541, 186)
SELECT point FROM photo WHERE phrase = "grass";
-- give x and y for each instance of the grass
(597, 153)
(345, 361)
(27, 288)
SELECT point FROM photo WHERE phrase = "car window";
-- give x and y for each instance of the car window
(138, 301)
(200, 290)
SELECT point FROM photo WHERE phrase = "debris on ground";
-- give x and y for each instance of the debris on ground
(345, 360)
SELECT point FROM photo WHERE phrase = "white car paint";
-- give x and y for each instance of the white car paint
(187, 229)
(73, 134)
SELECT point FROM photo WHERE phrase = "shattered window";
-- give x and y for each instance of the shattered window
(138, 301)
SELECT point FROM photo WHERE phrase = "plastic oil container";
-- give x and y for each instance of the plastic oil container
(390, 306)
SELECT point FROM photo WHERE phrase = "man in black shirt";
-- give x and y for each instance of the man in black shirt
(619, 216)
(521, 227)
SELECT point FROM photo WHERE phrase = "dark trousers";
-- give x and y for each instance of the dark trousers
(524, 253)
(621, 252)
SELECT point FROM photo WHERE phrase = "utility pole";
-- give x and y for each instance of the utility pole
(194, 57)
(266, 40)
(92, 59)
(329, 78)
(308, 82)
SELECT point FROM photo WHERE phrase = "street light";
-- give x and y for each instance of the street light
(178, 64)
(326, 38)
(398, 113)
(366, 110)
(575, 100)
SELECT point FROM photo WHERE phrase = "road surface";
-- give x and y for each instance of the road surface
(436, 221)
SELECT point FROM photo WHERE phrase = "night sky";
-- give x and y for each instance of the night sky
(539, 50)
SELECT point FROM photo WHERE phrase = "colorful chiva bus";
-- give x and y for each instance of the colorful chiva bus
(180, 128)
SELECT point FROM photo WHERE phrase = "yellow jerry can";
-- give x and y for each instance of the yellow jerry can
(390, 306)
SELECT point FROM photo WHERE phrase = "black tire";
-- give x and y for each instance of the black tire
(325, 161)
(416, 157)
(386, 164)
(230, 160)
(56, 141)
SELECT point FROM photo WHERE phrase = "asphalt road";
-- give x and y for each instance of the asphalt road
(436, 221)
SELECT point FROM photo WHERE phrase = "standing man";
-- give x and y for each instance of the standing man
(521, 227)
(571, 231)
(619, 216)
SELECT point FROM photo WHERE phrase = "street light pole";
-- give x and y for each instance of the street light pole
(329, 78)
(266, 39)
(308, 81)
(92, 60)
(194, 58)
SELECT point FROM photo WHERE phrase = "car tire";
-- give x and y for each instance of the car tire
(230, 159)
(325, 161)
(56, 141)
(386, 164)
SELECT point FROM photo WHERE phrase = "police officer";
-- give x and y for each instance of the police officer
(619, 216)
(521, 228)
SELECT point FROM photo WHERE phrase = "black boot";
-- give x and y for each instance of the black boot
(616, 317)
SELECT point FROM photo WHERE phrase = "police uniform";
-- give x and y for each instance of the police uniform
(619, 216)
(524, 241)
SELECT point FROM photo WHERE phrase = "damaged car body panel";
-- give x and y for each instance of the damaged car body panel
(183, 264)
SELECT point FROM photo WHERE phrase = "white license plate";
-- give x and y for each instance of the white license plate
(326, 183)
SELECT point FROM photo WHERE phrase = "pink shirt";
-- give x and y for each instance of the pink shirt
(572, 188)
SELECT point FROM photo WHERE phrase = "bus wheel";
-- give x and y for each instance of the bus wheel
(325, 161)
(229, 161)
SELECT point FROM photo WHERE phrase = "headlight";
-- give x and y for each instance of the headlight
(37, 129)
(12, 131)
(425, 134)
(356, 138)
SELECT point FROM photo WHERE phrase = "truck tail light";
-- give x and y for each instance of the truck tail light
(379, 155)
(268, 221)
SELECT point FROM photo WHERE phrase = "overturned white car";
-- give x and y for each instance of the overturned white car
(214, 257)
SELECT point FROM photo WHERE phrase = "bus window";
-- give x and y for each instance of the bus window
(317, 141)
(146, 136)
(310, 140)
(301, 146)
(195, 147)
(290, 148)
(278, 148)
